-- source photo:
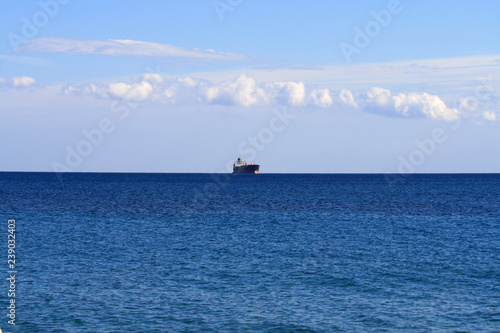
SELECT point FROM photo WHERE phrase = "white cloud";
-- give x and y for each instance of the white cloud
(491, 116)
(188, 82)
(241, 91)
(153, 78)
(431, 106)
(347, 98)
(120, 47)
(381, 101)
(321, 98)
(484, 107)
(17, 82)
(468, 104)
(288, 93)
(88, 89)
(23, 81)
(136, 92)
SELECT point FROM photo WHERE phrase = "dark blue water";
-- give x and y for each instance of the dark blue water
(253, 253)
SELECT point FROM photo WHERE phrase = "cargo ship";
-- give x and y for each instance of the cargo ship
(241, 166)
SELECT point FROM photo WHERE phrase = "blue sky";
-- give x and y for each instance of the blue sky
(297, 86)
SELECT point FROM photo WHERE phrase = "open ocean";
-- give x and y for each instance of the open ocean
(252, 253)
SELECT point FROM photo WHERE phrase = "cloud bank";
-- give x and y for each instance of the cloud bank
(240, 91)
(245, 91)
(123, 47)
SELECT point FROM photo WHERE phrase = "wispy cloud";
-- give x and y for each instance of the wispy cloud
(443, 75)
(24, 60)
(120, 47)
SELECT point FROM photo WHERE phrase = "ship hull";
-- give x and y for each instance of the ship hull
(252, 168)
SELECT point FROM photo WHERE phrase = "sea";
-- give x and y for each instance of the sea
(123, 252)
